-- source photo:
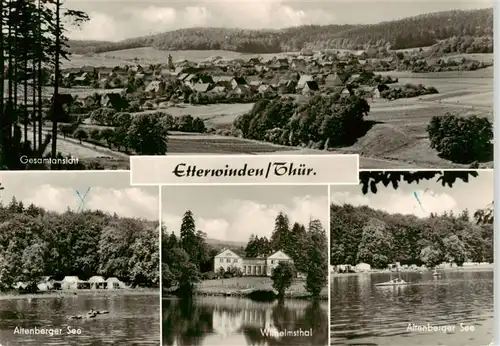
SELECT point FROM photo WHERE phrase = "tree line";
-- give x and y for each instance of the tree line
(32, 45)
(321, 122)
(362, 234)
(35, 242)
(398, 34)
(188, 258)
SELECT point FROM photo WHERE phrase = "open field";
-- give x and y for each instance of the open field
(215, 115)
(483, 57)
(259, 283)
(183, 143)
(150, 55)
(400, 130)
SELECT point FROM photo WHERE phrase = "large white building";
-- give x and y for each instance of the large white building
(250, 266)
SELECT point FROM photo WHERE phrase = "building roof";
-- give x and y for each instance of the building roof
(304, 79)
(183, 76)
(205, 79)
(97, 279)
(71, 279)
(279, 255)
(218, 89)
(201, 87)
(229, 253)
(240, 80)
(223, 78)
(312, 85)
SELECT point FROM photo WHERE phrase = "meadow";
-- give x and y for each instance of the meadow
(399, 131)
(151, 55)
(214, 115)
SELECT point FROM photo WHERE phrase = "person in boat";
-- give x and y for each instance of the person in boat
(92, 312)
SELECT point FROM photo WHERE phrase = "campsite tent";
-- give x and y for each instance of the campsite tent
(114, 283)
(363, 268)
(70, 283)
(97, 282)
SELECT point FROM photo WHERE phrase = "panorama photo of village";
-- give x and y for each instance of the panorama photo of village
(245, 265)
(411, 259)
(79, 260)
(91, 83)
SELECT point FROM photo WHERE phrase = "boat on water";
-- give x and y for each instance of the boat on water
(436, 273)
(394, 282)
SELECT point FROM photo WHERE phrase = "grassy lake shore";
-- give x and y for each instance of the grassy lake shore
(243, 286)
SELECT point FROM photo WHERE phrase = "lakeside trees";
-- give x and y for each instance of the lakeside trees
(35, 242)
(32, 42)
(362, 234)
(188, 258)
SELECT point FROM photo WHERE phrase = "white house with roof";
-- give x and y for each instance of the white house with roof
(250, 266)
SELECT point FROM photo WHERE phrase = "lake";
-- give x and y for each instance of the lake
(132, 319)
(362, 314)
(218, 321)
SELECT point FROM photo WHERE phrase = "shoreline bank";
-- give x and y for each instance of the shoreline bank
(384, 271)
(72, 293)
(242, 294)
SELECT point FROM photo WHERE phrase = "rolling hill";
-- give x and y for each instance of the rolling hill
(225, 243)
(419, 31)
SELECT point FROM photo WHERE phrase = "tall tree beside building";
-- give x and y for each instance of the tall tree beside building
(281, 232)
(317, 269)
(188, 239)
(252, 249)
(299, 246)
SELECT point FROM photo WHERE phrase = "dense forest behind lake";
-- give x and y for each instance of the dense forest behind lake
(419, 31)
(362, 234)
(35, 242)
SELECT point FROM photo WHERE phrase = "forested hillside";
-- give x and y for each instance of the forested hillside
(362, 234)
(419, 31)
(35, 242)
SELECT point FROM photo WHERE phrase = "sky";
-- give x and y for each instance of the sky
(56, 191)
(434, 198)
(113, 20)
(233, 213)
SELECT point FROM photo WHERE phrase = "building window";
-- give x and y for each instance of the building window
(272, 261)
(221, 260)
(228, 260)
(235, 261)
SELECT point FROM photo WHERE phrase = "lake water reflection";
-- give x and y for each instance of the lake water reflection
(132, 320)
(216, 321)
(364, 314)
